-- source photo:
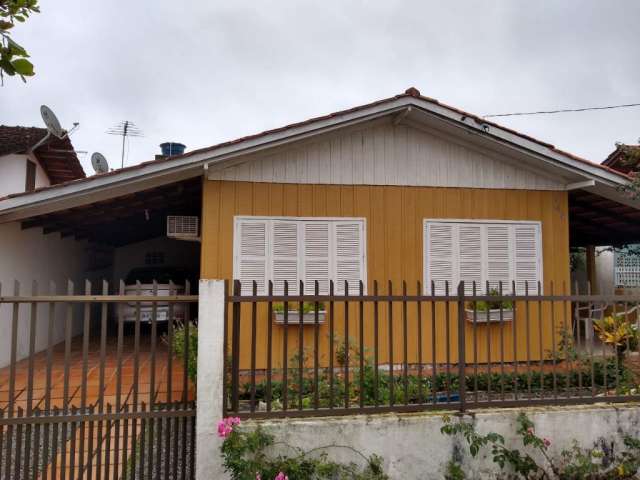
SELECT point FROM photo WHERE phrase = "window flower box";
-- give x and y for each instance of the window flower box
(308, 313)
(487, 311)
(308, 318)
(488, 316)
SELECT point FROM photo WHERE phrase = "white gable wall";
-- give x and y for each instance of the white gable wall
(386, 154)
(13, 173)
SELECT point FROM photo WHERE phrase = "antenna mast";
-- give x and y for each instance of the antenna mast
(125, 129)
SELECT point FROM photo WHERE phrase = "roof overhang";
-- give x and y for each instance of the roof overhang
(535, 154)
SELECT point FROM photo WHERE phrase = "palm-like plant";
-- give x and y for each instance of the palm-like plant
(617, 331)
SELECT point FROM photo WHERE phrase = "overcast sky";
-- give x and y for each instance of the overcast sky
(205, 72)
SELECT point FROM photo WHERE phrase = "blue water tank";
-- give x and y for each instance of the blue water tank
(169, 149)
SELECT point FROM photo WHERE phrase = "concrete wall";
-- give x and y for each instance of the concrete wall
(13, 171)
(413, 447)
(177, 253)
(605, 271)
(28, 255)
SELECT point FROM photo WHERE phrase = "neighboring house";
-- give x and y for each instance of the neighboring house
(24, 169)
(31, 256)
(402, 189)
(618, 267)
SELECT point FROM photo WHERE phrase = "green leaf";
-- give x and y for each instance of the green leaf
(4, 25)
(17, 49)
(6, 66)
(23, 66)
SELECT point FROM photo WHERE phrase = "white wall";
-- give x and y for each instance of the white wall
(413, 447)
(177, 253)
(605, 271)
(384, 154)
(28, 255)
(13, 173)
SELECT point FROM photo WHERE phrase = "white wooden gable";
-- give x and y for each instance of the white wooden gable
(387, 154)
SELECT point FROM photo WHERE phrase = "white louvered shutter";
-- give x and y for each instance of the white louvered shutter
(440, 257)
(499, 256)
(251, 255)
(470, 256)
(527, 257)
(349, 256)
(316, 256)
(284, 256)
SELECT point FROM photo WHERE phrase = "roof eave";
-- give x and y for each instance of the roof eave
(154, 173)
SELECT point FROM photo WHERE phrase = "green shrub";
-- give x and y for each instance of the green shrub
(179, 346)
(247, 456)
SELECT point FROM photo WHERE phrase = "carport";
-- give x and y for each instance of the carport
(71, 358)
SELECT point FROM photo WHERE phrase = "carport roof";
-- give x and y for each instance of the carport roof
(600, 181)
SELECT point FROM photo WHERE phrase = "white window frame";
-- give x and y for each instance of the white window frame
(332, 254)
(453, 288)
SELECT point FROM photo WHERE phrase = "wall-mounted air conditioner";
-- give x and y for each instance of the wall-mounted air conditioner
(183, 227)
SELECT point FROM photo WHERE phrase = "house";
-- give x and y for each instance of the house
(24, 168)
(404, 189)
(30, 160)
(618, 266)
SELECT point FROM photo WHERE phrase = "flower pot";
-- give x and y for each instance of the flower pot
(294, 317)
(492, 315)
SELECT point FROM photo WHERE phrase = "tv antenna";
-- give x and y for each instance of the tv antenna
(125, 129)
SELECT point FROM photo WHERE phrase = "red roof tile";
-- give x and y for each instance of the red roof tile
(410, 92)
(56, 156)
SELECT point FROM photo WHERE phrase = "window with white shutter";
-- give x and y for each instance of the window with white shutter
(294, 249)
(481, 252)
(251, 249)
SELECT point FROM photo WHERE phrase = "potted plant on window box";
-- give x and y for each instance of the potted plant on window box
(491, 310)
(308, 313)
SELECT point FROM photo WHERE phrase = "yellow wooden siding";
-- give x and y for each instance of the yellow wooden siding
(394, 217)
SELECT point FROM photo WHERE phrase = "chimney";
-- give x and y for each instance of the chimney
(170, 149)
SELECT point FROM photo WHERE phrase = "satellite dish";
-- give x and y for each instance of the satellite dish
(99, 163)
(51, 121)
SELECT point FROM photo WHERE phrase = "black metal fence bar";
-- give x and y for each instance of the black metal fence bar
(486, 345)
(91, 382)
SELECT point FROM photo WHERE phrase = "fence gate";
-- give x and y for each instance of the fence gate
(97, 385)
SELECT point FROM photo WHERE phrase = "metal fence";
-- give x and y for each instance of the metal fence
(97, 385)
(399, 349)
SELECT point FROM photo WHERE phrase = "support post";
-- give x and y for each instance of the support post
(591, 269)
(211, 318)
(462, 360)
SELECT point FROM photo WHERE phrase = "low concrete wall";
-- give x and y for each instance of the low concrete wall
(413, 447)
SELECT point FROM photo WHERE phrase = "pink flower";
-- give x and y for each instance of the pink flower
(258, 476)
(225, 426)
(546, 442)
(530, 430)
(281, 476)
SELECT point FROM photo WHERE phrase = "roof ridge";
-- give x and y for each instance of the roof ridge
(411, 92)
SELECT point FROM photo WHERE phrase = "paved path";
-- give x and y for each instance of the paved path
(109, 396)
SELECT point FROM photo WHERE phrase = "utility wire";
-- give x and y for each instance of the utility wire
(565, 110)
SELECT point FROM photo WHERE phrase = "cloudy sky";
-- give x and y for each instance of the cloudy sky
(201, 72)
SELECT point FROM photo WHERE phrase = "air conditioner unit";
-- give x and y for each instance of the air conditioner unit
(182, 227)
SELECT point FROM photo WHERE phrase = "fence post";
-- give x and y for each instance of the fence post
(462, 383)
(211, 318)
